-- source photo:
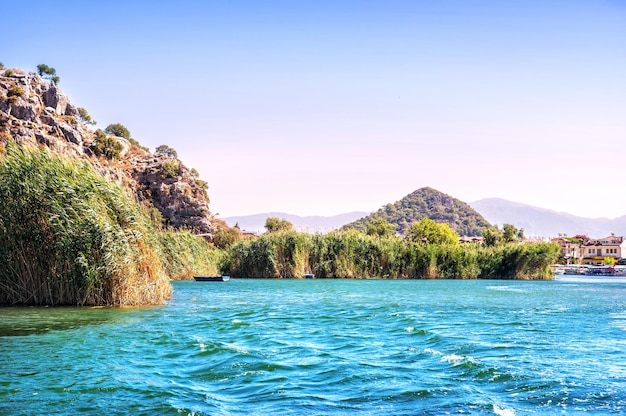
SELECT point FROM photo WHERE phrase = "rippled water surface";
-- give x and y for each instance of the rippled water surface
(364, 347)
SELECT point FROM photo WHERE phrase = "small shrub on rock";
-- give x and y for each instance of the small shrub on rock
(170, 169)
(14, 93)
(107, 146)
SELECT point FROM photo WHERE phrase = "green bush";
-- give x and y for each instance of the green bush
(226, 237)
(70, 237)
(107, 146)
(14, 93)
(170, 169)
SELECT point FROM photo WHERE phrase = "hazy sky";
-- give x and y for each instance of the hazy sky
(325, 107)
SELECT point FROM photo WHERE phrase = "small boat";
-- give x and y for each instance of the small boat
(599, 270)
(309, 276)
(211, 278)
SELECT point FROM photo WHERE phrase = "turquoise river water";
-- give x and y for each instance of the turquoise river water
(318, 347)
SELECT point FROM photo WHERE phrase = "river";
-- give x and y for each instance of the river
(326, 347)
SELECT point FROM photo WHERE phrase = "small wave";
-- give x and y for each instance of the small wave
(506, 289)
(501, 411)
(457, 359)
(433, 352)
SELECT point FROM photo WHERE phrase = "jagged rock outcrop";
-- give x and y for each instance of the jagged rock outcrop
(34, 111)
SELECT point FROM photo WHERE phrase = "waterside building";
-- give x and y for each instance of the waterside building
(592, 251)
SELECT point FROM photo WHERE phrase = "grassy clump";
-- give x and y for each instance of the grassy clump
(70, 237)
(185, 255)
(355, 255)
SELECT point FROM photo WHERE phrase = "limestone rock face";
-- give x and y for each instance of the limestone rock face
(52, 97)
(36, 112)
(189, 209)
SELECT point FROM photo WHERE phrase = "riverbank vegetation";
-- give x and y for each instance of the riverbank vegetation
(69, 236)
(352, 254)
(185, 255)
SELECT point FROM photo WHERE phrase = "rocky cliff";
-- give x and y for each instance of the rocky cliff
(35, 112)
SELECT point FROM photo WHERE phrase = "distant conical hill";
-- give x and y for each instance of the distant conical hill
(427, 203)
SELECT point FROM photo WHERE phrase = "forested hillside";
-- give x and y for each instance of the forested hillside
(427, 203)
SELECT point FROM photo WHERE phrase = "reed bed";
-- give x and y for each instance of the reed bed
(70, 237)
(352, 254)
(185, 255)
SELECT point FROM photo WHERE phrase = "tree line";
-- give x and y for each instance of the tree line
(429, 250)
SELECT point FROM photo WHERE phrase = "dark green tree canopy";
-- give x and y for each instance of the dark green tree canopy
(48, 72)
(118, 130)
(85, 117)
(167, 151)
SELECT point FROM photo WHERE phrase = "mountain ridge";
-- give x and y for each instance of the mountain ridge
(544, 222)
(524, 218)
(430, 203)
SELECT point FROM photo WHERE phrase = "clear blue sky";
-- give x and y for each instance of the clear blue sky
(325, 107)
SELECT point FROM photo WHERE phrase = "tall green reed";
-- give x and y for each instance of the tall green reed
(352, 254)
(69, 236)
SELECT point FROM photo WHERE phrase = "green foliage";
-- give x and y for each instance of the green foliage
(185, 255)
(85, 117)
(226, 237)
(380, 227)
(204, 187)
(170, 169)
(273, 225)
(48, 73)
(427, 203)
(68, 236)
(107, 146)
(427, 231)
(137, 144)
(492, 236)
(118, 130)
(610, 261)
(352, 254)
(167, 151)
(509, 234)
(155, 216)
(15, 91)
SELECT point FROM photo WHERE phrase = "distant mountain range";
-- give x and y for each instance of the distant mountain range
(536, 222)
(540, 222)
(312, 224)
